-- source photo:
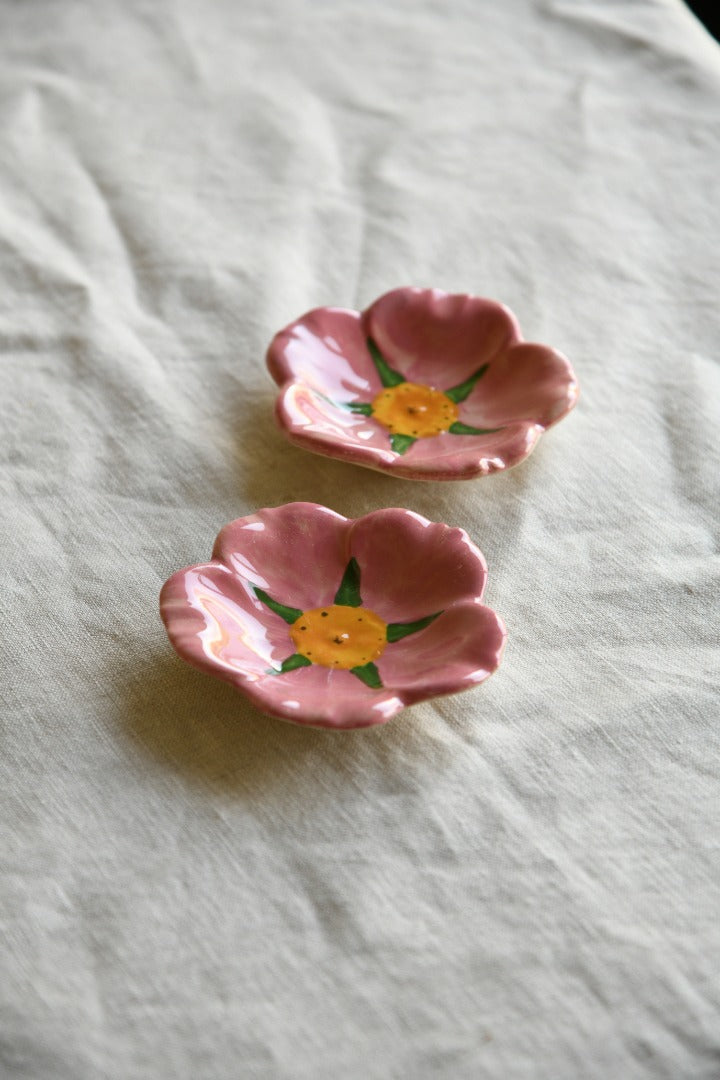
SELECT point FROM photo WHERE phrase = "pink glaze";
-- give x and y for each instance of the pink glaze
(409, 568)
(323, 365)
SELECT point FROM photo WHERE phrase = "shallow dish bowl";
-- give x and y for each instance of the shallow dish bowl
(332, 622)
(423, 384)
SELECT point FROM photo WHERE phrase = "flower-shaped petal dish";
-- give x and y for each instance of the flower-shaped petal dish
(424, 384)
(334, 622)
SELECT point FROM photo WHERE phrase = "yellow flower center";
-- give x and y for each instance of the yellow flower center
(412, 409)
(339, 637)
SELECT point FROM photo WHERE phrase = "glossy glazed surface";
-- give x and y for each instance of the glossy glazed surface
(425, 384)
(334, 622)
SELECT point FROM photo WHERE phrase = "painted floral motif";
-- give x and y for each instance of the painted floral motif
(412, 411)
(334, 622)
(343, 635)
(423, 383)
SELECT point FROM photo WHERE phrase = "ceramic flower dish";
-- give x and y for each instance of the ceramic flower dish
(423, 384)
(333, 622)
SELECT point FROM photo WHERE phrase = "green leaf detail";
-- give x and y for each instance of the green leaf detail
(460, 392)
(289, 614)
(349, 591)
(388, 377)
(363, 407)
(402, 443)
(292, 662)
(368, 674)
(464, 429)
(398, 630)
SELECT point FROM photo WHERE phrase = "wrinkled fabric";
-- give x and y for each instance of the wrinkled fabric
(519, 882)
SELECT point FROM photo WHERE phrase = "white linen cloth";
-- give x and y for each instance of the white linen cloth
(518, 882)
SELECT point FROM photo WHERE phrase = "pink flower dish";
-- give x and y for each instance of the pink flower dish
(424, 384)
(333, 622)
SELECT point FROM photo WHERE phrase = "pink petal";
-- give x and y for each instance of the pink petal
(411, 567)
(527, 382)
(323, 698)
(316, 424)
(297, 552)
(438, 338)
(327, 350)
(460, 457)
(460, 649)
(215, 622)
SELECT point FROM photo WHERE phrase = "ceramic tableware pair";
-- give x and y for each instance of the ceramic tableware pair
(340, 623)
